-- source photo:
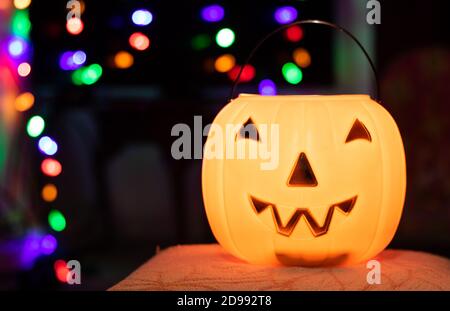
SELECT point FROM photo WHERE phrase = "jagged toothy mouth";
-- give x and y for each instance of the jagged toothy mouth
(259, 206)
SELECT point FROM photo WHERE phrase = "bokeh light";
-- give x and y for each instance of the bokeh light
(294, 33)
(225, 37)
(61, 270)
(212, 13)
(47, 145)
(24, 69)
(91, 74)
(20, 24)
(48, 244)
(72, 60)
(301, 57)
(267, 88)
(123, 60)
(21, 4)
(24, 101)
(142, 17)
(285, 14)
(35, 126)
(49, 193)
(79, 58)
(87, 75)
(224, 63)
(248, 73)
(51, 167)
(200, 42)
(66, 61)
(31, 249)
(291, 73)
(56, 220)
(17, 46)
(139, 41)
(74, 26)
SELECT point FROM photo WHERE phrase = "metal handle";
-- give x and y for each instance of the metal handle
(309, 21)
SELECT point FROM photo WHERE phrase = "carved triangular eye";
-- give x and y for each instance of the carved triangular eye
(358, 131)
(249, 130)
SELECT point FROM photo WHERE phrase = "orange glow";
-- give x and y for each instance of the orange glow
(302, 57)
(123, 60)
(49, 193)
(139, 41)
(24, 101)
(74, 26)
(332, 192)
(224, 63)
(24, 69)
(4, 4)
(51, 167)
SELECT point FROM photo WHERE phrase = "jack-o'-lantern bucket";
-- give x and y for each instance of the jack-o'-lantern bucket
(331, 193)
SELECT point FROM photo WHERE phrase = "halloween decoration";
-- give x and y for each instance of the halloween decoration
(336, 196)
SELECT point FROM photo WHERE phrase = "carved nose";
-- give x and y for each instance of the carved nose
(302, 174)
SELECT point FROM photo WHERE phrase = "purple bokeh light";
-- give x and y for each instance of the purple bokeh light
(48, 244)
(213, 13)
(72, 60)
(267, 88)
(286, 14)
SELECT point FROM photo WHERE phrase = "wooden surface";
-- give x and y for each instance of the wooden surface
(209, 267)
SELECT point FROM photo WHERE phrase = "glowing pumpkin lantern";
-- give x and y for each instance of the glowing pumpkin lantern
(336, 196)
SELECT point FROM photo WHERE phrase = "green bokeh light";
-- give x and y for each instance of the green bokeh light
(200, 42)
(87, 75)
(292, 73)
(35, 126)
(20, 24)
(56, 220)
(225, 37)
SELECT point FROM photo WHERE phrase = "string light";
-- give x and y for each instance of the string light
(87, 75)
(16, 47)
(24, 101)
(48, 244)
(51, 167)
(49, 193)
(267, 88)
(22, 4)
(74, 26)
(294, 33)
(35, 126)
(79, 58)
(91, 74)
(123, 60)
(20, 24)
(139, 41)
(47, 145)
(61, 270)
(71, 60)
(24, 69)
(248, 73)
(225, 37)
(56, 220)
(301, 57)
(285, 14)
(224, 63)
(142, 17)
(291, 73)
(200, 42)
(212, 13)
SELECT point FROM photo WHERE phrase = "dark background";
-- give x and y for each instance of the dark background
(122, 193)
